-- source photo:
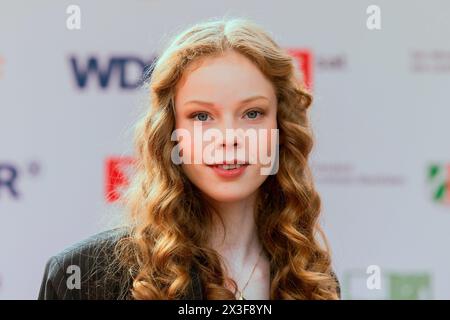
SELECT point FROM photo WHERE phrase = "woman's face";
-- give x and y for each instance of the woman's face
(213, 99)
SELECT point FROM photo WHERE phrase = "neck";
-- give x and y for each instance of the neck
(240, 244)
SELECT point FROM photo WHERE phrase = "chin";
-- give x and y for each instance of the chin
(229, 195)
(221, 190)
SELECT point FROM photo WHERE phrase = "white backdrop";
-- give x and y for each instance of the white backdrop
(381, 119)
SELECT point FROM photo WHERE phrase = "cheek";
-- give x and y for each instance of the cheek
(267, 141)
(195, 175)
(191, 150)
(186, 143)
(190, 171)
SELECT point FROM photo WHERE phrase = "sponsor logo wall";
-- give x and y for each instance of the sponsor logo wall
(69, 99)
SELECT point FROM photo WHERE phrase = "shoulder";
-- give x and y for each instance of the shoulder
(86, 270)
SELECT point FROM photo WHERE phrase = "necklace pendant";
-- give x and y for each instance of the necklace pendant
(241, 296)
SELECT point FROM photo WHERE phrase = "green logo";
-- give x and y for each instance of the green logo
(394, 286)
(439, 180)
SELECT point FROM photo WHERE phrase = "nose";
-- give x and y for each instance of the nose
(230, 140)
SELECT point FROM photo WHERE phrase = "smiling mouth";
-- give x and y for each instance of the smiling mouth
(229, 165)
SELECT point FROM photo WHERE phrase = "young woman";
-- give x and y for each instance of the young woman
(208, 218)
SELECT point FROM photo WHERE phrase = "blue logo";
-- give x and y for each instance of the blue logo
(127, 72)
(11, 175)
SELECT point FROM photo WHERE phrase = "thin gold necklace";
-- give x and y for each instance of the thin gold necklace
(241, 292)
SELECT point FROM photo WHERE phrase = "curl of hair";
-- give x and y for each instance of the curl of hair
(168, 216)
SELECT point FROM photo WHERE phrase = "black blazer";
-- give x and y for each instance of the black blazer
(90, 259)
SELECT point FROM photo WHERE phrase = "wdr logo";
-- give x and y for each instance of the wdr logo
(12, 176)
(439, 181)
(127, 72)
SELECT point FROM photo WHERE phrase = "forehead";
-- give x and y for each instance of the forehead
(227, 78)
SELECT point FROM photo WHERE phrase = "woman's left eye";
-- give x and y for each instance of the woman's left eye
(253, 114)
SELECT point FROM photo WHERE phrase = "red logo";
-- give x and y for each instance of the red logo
(117, 173)
(304, 59)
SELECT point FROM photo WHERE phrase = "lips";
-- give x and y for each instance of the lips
(230, 169)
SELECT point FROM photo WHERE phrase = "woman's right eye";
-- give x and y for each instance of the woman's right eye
(201, 116)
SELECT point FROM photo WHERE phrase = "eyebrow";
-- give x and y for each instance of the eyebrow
(211, 104)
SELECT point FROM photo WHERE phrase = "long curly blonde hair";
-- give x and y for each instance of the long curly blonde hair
(169, 217)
